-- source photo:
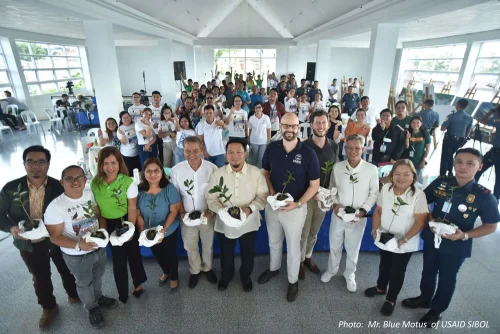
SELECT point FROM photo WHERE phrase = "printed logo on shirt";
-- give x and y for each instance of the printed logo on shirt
(297, 159)
(86, 221)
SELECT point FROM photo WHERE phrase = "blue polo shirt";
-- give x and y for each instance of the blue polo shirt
(430, 118)
(496, 124)
(256, 98)
(351, 101)
(301, 161)
(467, 204)
(458, 123)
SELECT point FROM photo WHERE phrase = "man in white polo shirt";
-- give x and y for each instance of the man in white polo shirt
(135, 110)
(210, 132)
(195, 169)
(68, 218)
(357, 190)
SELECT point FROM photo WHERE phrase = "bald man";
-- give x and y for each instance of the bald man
(281, 157)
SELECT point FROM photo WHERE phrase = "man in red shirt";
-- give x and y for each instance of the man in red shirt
(275, 110)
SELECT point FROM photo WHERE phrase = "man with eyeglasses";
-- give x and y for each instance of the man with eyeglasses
(275, 110)
(135, 110)
(69, 217)
(288, 155)
(36, 254)
(248, 191)
(209, 101)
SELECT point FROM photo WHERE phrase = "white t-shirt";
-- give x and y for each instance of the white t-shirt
(168, 126)
(237, 125)
(181, 135)
(114, 142)
(405, 219)
(130, 148)
(139, 126)
(156, 115)
(135, 111)
(333, 90)
(319, 105)
(259, 128)
(275, 121)
(220, 99)
(77, 215)
(304, 111)
(290, 105)
(212, 135)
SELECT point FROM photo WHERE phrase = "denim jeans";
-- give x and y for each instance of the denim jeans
(218, 160)
(256, 154)
(178, 155)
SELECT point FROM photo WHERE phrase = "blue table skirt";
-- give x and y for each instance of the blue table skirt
(262, 240)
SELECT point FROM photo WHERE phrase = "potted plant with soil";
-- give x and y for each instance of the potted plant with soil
(282, 199)
(385, 239)
(125, 230)
(325, 196)
(232, 216)
(150, 236)
(100, 236)
(195, 217)
(440, 225)
(31, 228)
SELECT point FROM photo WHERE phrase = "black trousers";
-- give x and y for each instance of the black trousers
(11, 120)
(492, 159)
(450, 146)
(166, 256)
(38, 263)
(131, 163)
(392, 268)
(130, 252)
(247, 251)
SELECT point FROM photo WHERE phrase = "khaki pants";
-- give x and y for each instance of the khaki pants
(190, 236)
(313, 222)
(287, 225)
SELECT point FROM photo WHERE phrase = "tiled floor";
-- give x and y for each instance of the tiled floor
(320, 308)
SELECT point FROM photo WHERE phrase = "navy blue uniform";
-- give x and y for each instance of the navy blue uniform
(457, 126)
(492, 158)
(467, 204)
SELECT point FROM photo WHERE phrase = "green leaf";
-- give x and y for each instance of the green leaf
(19, 187)
(347, 168)
(230, 197)
(16, 200)
(221, 181)
(186, 183)
(393, 211)
(351, 177)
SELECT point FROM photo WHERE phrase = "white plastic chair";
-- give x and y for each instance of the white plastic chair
(84, 163)
(303, 131)
(3, 128)
(14, 108)
(54, 119)
(93, 132)
(29, 118)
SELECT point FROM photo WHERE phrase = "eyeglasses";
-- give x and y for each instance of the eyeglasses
(153, 171)
(35, 162)
(71, 179)
(290, 126)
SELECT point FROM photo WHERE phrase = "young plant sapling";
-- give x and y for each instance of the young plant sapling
(222, 190)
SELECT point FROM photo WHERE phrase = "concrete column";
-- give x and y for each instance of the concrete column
(168, 87)
(467, 70)
(383, 44)
(103, 67)
(323, 63)
(281, 61)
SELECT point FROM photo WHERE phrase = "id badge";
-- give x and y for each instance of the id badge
(446, 207)
(412, 154)
(383, 148)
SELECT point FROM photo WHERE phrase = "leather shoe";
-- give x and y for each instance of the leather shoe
(387, 308)
(211, 277)
(48, 316)
(247, 285)
(302, 273)
(222, 285)
(311, 266)
(430, 318)
(267, 275)
(72, 300)
(293, 291)
(193, 280)
(416, 302)
(370, 292)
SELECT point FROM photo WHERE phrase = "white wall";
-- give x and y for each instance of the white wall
(205, 63)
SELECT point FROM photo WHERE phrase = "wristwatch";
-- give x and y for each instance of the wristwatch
(466, 237)
(250, 209)
(77, 246)
(300, 204)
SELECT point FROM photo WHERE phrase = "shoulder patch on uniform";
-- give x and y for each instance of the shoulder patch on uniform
(484, 190)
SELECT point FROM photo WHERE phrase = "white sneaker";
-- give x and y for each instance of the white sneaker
(327, 276)
(351, 284)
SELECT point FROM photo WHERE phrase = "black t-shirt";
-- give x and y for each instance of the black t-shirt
(60, 103)
(282, 95)
(329, 152)
(331, 130)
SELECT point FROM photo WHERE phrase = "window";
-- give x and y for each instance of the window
(440, 63)
(5, 83)
(487, 71)
(244, 61)
(48, 67)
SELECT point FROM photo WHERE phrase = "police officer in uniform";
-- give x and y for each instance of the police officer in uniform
(459, 200)
(492, 158)
(457, 126)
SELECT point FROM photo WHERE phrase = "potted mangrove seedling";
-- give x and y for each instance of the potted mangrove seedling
(385, 239)
(232, 215)
(195, 217)
(31, 228)
(125, 230)
(100, 236)
(440, 225)
(150, 236)
(325, 196)
(282, 199)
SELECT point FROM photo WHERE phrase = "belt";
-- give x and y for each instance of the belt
(454, 137)
(83, 255)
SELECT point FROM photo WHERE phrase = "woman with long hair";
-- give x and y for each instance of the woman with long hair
(335, 124)
(237, 120)
(109, 136)
(116, 195)
(398, 218)
(146, 137)
(128, 138)
(167, 133)
(158, 204)
(184, 129)
(417, 145)
(180, 102)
